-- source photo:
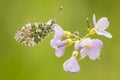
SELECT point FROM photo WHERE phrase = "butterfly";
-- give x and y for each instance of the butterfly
(32, 33)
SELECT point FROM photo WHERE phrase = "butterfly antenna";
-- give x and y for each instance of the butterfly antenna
(59, 10)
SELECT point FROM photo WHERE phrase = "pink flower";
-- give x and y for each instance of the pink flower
(71, 65)
(91, 47)
(101, 26)
(56, 41)
(58, 32)
(59, 47)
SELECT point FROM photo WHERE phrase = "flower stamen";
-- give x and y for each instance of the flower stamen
(67, 33)
(75, 54)
(92, 32)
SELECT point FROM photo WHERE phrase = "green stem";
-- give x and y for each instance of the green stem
(81, 58)
(87, 35)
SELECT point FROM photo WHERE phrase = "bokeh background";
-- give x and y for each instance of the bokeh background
(18, 62)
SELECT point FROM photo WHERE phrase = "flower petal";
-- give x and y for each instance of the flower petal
(94, 53)
(57, 43)
(84, 41)
(96, 43)
(76, 47)
(61, 43)
(83, 52)
(94, 19)
(102, 24)
(60, 51)
(58, 32)
(53, 43)
(71, 65)
(105, 33)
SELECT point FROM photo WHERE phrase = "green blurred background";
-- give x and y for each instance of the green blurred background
(18, 62)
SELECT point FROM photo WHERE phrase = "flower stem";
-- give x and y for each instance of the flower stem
(81, 58)
(87, 35)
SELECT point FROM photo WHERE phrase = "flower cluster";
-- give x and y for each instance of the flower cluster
(82, 46)
(32, 34)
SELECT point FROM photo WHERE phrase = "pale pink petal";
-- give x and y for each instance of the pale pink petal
(94, 19)
(58, 32)
(105, 33)
(60, 51)
(76, 47)
(94, 53)
(59, 47)
(53, 43)
(93, 50)
(57, 43)
(71, 65)
(83, 52)
(84, 41)
(61, 43)
(102, 24)
(96, 43)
